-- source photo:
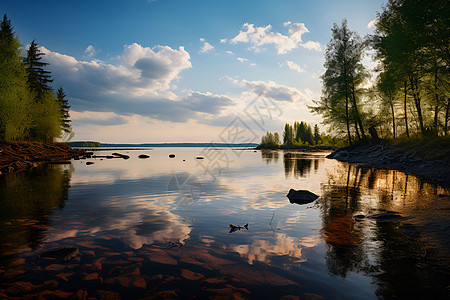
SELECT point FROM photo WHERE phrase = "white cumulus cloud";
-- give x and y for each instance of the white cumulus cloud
(206, 46)
(89, 52)
(137, 84)
(260, 36)
(274, 91)
(293, 66)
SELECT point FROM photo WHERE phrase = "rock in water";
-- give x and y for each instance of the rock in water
(171, 155)
(121, 155)
(144, 156)
(301, 196)
(64, 254)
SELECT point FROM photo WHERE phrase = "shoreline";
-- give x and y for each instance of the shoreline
(21, 156)
(388, 157)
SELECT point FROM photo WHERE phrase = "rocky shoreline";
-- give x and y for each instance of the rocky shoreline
(17, 157)
(385, 156)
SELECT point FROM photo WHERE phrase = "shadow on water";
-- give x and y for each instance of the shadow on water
(407, 258)
(26, 201)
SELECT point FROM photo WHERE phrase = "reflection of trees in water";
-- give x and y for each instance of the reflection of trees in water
(407, 261)
(296, 165)
(26, 200)
(269, 156)
(341, 232)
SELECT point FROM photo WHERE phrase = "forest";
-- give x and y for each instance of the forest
(30, 110)
(408, 93)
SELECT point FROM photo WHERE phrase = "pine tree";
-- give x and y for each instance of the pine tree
(288, 135)
(15, 97)
(65, 107)
(38, 78)
(316, 134)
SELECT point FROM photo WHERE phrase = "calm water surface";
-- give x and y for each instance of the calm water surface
(160, 227)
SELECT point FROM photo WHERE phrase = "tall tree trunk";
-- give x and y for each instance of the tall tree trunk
(347, 117)
(436, 108)
(355, 107)
(406, 114)
(393, 115)
(415, 92)
(356, 128)
(447, 112)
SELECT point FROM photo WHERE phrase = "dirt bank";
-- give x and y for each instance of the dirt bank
(385, 156)
(16, 157)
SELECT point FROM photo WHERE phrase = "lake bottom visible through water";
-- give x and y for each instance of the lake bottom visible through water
(160, 228)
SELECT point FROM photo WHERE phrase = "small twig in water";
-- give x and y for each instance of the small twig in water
(271, 223)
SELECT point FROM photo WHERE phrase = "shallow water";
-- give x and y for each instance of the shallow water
(160, 226)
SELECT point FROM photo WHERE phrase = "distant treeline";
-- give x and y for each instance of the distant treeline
(29, 108)
(84, 144)
(411, 94)
(299, 134)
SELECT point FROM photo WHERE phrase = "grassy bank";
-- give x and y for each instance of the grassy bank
(428, 148)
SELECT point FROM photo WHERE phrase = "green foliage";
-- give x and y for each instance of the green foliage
(15, 97)
(411, 43)
(28, 107)
(316, 134)
(288, 135)
(65, 115)
(344, 74)
(38, 78)
(46, 118)
(429, 148)
(270, 140)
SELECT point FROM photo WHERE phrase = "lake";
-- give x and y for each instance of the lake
(161, 227)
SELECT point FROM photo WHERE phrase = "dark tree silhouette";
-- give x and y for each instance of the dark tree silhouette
(38, 78)
(65, 107)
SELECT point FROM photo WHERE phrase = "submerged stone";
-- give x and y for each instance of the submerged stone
(64, 254)
(301, 196)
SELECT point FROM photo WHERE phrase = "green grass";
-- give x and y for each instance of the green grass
(429, 148)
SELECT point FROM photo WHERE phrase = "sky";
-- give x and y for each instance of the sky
(186, 71)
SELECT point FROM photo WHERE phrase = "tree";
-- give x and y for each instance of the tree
(38, 78)
(15, 97)
(288, 136)
(65, 115)
(46, 117)
(316, 134)
(411, 42)
(270, 139)
(339, 104)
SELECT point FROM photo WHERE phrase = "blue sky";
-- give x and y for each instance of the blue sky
(179, 71)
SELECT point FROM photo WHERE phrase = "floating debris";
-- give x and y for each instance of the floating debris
(237, 227)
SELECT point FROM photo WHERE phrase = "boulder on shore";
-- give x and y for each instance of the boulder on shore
(301, 196)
